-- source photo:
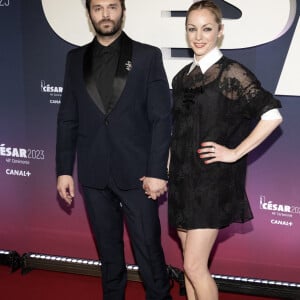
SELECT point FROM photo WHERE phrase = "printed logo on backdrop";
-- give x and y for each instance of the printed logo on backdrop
(156, 14)
(4, 3)
(282, 214)
(53, 92)
(17, 160)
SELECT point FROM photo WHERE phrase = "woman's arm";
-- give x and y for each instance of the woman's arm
(214, 152)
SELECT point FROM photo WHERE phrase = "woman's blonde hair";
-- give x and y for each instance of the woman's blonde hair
(211, 6)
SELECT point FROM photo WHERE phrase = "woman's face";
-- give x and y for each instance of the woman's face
(202, 31)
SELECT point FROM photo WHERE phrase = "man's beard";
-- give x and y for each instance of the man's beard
(115, 28)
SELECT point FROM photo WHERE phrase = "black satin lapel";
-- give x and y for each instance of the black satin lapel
(124, 67)
(89, 80)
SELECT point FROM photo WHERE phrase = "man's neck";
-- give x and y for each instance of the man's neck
(107, 40)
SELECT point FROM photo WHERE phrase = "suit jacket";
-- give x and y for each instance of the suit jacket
(128, 141)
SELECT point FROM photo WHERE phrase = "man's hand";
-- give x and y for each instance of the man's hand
(154, 187)
(65, 188)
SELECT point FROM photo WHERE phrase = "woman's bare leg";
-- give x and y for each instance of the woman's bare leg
(190, 292)
(197, 245)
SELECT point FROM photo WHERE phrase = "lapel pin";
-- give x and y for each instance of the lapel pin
(128, 65)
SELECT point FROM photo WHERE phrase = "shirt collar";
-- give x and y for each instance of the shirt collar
(114, 46)
(207, 61)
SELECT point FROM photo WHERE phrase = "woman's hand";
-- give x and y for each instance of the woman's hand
(213, 152)
(154, 187)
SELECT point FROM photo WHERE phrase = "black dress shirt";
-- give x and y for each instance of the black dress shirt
(105, 62)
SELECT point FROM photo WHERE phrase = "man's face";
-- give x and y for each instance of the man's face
(106, 16)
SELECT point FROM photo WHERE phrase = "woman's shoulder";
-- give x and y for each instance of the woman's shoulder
(231, 65)
(178, 77)
(234, 69)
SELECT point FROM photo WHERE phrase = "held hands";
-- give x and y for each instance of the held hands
(65, 188)
(213, 152)
(154, 187)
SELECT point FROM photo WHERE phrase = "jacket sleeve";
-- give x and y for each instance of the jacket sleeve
(67, 125)
(159, 114)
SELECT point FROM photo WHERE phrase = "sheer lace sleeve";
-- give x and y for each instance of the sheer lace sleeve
(239, 84)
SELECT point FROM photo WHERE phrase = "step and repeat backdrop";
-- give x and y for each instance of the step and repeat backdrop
(34, 39)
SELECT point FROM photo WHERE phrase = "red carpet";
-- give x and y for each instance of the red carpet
(46, 285)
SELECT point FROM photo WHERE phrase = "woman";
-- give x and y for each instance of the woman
(215, 102)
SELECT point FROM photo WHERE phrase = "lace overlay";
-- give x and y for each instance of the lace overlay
(216, 106)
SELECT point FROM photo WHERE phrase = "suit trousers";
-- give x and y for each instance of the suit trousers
(106, 209)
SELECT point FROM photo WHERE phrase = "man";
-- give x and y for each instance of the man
(115, 115)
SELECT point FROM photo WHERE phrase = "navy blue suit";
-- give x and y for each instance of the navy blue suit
(115, 147)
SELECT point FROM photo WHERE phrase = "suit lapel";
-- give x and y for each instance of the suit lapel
(124, 67)
(89, 80)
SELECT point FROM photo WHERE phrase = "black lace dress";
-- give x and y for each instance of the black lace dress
(217, 106)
